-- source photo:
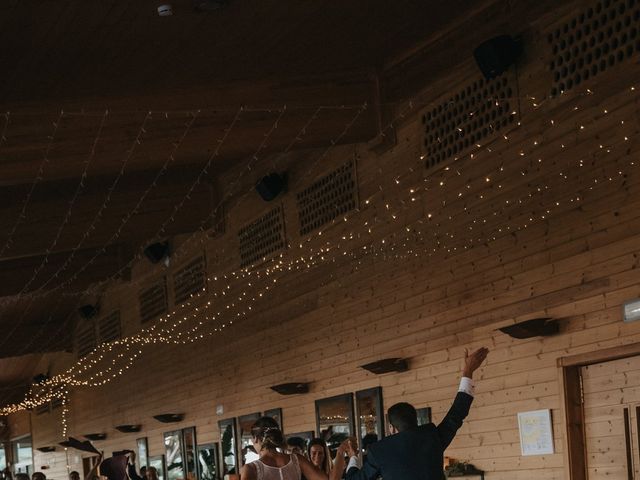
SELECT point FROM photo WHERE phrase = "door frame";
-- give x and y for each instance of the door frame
(575, 438)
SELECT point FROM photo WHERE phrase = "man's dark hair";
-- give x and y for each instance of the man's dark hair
(297, 442)
(403, 416)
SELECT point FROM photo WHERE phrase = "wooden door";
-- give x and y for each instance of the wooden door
(611, 396)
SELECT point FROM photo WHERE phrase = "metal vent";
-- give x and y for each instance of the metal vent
(329, 197)
(190, 280)
(42, 409)
(56, 403)
(469, 117)
(262, 237)
(110, 328)
(597, 39)
(86, 340)
(153, 301)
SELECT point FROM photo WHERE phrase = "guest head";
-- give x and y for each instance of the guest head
(73, 475)
(296, 445)
(267, 435)
(151, 473)
(22, 476)
(143, 471)
(368, 439)
(38, 476)
(319, 454)
(402, 417)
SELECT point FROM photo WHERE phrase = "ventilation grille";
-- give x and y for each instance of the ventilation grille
(329, 197)
(56, 403)
(110, 328)
(469, 117)
(153, 301)
(86, 340)
(262, 237)
(597, 39)
(190, 280)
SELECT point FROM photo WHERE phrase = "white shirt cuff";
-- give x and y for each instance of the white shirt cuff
(353, 462)
(467, 386)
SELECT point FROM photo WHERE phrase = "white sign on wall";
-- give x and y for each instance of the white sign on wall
(536, 433)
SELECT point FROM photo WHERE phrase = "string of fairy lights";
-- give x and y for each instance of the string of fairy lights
(167, 330)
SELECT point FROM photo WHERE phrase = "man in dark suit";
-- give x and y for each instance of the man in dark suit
(412, 452)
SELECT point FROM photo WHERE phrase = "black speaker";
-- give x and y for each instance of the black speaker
(496, 55)
(169, 417)
(88, 311)
(271, 186)
(128, 428)
(387, 365)
(156, 252)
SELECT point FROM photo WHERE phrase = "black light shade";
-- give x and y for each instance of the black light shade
(95, 436)
(156, 252)
(40, 378)
(169, 417)
(387, 365)
(129, 428)
(88, 311)
(496, 55)
(46, 449)
(292, 388)
(537, 327)
(271, 186)
(209, 5)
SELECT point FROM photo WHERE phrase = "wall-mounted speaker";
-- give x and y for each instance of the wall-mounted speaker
(387, 365)
(270, 186)
(537, 327)
(46, 449)
(169, 417)
(292, 388)
(95, 436)
(497, 54)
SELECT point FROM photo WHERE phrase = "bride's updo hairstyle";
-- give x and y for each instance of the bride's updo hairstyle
(267, 431)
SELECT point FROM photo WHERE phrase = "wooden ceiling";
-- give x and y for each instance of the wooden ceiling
(105, 101)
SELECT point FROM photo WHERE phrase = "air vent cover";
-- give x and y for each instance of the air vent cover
(262, 237)
(328, 198)
(42, 409)
(153, 301)
(597, 39)
(471, 116)
(189, 280)
(110, 328)
(86, 340)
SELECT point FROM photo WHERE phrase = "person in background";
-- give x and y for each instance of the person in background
(38, 476)
(131, 468)
(296, 445)
(151, 473)
(273, 465)
(319, 455)
(73, 475)
(22, 476)
(412, 452)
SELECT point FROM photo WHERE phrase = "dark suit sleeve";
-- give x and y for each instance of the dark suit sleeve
(453, 420)
(133, 475)
(369, 470)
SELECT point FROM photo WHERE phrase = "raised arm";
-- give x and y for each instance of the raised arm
(460, 409)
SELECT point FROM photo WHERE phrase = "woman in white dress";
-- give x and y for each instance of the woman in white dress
(274, 465)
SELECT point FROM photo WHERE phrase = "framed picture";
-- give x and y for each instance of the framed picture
(424, 415)
(143, 452)
(334, 419)
(158, 463)
(370, 416)
(207, 461)
(173, 447)
(228, 444)
(247, 452)
(276, 414)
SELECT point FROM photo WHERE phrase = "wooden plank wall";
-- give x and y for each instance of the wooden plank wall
(540, 222)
